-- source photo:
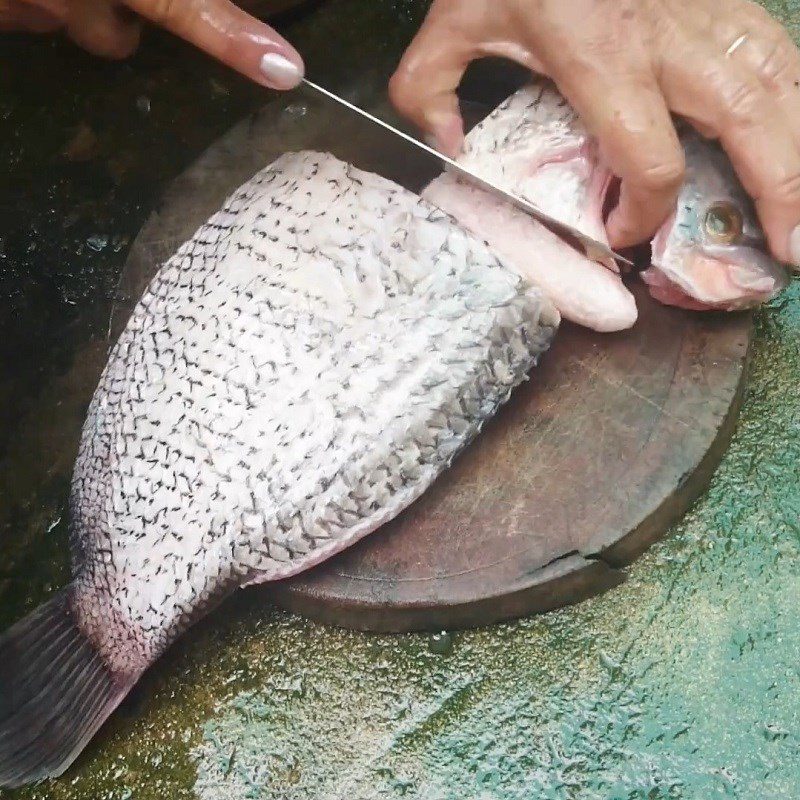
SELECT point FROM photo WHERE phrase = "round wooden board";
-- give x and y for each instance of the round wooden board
(591, 461)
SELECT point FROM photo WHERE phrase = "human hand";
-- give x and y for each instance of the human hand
(112, 27)
(725, 65)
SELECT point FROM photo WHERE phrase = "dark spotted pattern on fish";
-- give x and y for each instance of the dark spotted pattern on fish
(296, 375)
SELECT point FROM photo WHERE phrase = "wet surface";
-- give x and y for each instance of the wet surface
(683, 683)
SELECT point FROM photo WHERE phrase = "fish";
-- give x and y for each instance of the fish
(535, 145)
(294, 376)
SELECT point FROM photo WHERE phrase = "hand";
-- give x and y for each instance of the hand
(111, 28)
(624, 66)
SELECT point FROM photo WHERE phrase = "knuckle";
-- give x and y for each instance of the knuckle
(107, 43)
(116, 50)
(777, 59)
(123, 44)
(743, 104)
(576, 66)
(401, 88)
(663, 175)
(787, 190)
(164, 12)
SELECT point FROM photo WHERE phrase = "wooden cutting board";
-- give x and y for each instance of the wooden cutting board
(590, 463)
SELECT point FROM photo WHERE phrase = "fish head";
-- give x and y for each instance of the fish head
(712, 253)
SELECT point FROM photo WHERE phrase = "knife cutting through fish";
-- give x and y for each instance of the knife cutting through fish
(596, 250)
(306, 365)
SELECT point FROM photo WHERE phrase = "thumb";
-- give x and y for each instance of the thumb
(423, 88)
(230, 35)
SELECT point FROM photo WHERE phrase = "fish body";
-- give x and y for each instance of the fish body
(295, 375)
(306, 365)
(535, 145)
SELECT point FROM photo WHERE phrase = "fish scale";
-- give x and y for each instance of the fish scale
(294, 376)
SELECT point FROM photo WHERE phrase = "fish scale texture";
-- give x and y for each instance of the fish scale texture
(296, 375)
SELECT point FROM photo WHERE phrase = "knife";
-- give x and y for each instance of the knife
(595, 250)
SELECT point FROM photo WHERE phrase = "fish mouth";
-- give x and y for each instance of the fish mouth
(669, 293)
(708, 280)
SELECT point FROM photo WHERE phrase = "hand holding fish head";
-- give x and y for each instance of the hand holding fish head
(627, 67)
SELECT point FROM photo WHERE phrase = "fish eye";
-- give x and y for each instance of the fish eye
(723, 223)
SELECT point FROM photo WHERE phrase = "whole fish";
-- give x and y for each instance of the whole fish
(295, 375)
(710, 254)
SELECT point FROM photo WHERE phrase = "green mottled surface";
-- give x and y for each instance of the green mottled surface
(683, 683)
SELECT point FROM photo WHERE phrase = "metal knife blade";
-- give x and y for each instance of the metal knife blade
(594, 249)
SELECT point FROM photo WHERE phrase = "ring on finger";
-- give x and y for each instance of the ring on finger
(736, 45)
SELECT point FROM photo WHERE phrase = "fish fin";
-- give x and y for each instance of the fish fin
(55, 692)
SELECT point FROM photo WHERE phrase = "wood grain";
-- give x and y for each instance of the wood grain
(592, 460)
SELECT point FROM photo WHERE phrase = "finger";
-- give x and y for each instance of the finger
(230, 35)
(23, 16)
(772, 56)
(103, 28)
(629, 116)
(423, 87)
(727, 97)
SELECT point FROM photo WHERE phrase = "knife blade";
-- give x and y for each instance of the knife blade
(593, 249)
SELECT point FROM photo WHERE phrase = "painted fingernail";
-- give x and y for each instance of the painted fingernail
(279, 72)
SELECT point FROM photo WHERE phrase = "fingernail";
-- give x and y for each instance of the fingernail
(279, 72)
(794, 246)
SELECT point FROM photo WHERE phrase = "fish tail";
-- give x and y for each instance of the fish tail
(55, 692)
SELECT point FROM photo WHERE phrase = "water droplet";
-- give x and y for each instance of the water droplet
(441, 644)
(296, 110)
(97, 242)
(118, 242)
(143, 104)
